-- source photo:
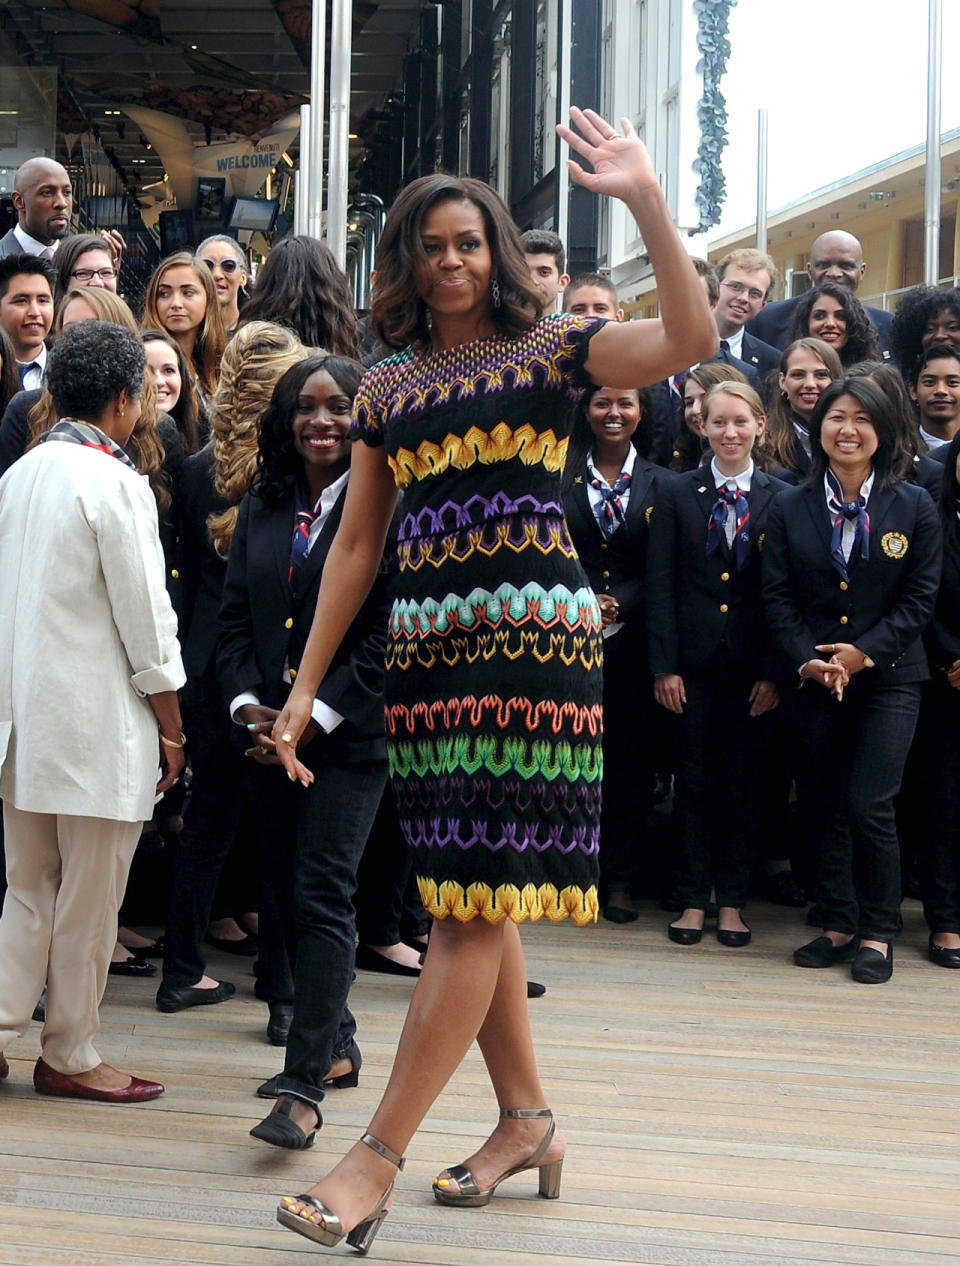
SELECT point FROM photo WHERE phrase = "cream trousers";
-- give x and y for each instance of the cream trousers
(66, 878)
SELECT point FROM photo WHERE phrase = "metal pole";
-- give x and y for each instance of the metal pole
(318, 53)
(931, 193)
(338, 129)
(564, 59)
(761, 180)
(302, 205)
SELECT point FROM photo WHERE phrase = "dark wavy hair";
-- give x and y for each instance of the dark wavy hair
(917, 307)
(184, 412)
(581, 436)
(278, 462)
(399, 315)
(888, 458)
(950, 497)
(861, 341)
(890, 382)
(301, 286)
(69, 251)
(9, 373)
(90, 364)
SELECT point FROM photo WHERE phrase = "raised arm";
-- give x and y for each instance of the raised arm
(348, 575)
(642, 352)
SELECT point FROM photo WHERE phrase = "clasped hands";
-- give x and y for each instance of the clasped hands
(260, 721)
(835, 673)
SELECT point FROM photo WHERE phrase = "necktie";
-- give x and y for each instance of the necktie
(847, 512)
(676, 383)
(611, 510)
(737, 499)
(300, 545)
(24, 370)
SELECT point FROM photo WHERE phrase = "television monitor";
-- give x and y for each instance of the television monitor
(211, 193)
(176, 230)
(256, 214)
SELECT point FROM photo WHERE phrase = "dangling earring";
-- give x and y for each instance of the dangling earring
(495, 297)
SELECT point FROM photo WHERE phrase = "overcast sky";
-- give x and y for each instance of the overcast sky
(844, 83)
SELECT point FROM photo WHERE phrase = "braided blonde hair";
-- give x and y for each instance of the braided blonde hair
(257, 357)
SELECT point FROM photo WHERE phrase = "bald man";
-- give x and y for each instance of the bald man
(835, 256)
(43, 197)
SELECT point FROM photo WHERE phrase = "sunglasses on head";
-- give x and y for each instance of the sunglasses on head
(228, 265)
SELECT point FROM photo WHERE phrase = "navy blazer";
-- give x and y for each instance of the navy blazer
(772, 324)
(697, 604)
(761, 355)
(200, 569)
(888, 601)
(942, 638)
(263, 626)
(617, 566)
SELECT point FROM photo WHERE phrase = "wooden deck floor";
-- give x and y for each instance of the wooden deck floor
(722, 1108)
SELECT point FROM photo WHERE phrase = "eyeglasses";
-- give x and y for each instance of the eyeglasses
(738, 288)
(229, 266)
(88, 274)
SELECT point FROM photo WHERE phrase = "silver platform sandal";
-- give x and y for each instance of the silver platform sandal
(331, 1232)
(471, 1197)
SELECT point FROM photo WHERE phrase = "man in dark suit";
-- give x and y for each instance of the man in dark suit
(746, 278)
(43, 197)
(835, 256)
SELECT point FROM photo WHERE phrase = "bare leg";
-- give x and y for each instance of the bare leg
(506, 1043)
(464, 963)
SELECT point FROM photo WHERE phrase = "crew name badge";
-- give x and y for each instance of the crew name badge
(894, 544)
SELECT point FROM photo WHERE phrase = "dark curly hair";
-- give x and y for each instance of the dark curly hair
(861, 341)
(399, 315)
(302, 287)
(278, 462)
(916, 309)
(888, 459)
(581, 435)
(90, 364)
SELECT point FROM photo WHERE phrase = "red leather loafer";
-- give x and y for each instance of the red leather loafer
(47, 1081)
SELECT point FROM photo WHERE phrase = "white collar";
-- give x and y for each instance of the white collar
(625, 469)
(31, 246)
(735, 343)
(865, 488)
(40, 360)
(742, 481)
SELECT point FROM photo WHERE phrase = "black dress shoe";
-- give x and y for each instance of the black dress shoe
(280, 1129)
(133, 966)
(684, 936)
(870, 967)
(170, 998)
(246, 947)
(372, 960)
(618, 914)
(733, 938)
(821, 952)
(535, 989)
(278, 1027)
(783, 890)
(942, 955)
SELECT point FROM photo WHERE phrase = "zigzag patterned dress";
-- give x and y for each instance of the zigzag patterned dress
(493, 694)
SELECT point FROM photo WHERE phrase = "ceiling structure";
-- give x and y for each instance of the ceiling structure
(229, 68)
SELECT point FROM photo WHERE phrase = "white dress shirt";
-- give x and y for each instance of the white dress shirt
(33, 377)
(31, 246)
(325, 716)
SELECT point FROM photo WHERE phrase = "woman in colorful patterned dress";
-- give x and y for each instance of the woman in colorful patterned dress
(493, 658)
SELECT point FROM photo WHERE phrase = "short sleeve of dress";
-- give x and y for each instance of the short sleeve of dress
(369, 407)
(573, 335)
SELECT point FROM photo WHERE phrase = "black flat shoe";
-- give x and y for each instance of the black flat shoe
(821, 952)
(40, 1010)
(942, 956)
(170, 998)
(617, 914)
(870, 967)
(246, 947)
(783, 890)
(535, 989)
(733, 938)
(371, 960)
(133, 967)
(278, 1027)
(281, 1130)
(684, 936)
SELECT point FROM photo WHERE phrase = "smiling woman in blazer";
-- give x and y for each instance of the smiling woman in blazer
(283, 534)
(708, 654)
(610, 488)
(851, 568)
